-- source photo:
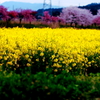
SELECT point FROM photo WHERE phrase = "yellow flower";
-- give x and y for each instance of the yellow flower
(26, 56)
(32, 82)
(15, 56)
(54, 65)
(47, 66)
(46, 87)
(29, 60)
(61, 59)
(48, 93)
(40, 48)
(54, 75)
(33, 52)
(5, 58)
(56, 60)
(1, 64)
(75, 46)
(93, 61)
(63, 62)
(9, 63)
(37, 59)
(67, 70)
(53, 56)
(41, 54)
(17, 65)
(14, 68)
(74, 64)
(70, 68)
(1, 57)
(58, 66)
(28, 64)
(55, 70)
(83, 64)
(43, 59)
(89, 63)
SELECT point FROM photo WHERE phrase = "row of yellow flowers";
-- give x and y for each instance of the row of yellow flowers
(64, 48)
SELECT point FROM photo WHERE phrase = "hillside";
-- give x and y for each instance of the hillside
(12, 5)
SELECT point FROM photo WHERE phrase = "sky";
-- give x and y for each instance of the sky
(61, 3)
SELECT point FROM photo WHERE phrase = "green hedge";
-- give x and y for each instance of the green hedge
(43, 86)
(9, 24)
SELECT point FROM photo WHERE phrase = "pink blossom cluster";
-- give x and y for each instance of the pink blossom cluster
(3, 13)
(77, 16)
(48, 18)
(96, 19)
(28, 14)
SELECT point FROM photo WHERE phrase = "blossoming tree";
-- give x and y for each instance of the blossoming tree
(96, 20)
(3, 13)
(77, 16)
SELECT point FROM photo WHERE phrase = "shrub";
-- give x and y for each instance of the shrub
(43, 86)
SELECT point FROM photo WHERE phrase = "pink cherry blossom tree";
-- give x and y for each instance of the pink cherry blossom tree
(3, 13)
(77, 16)
(98, 12)
(20, 15)
(48, 18)
(96, 20)
(85, 17)
(12, 15)
(54, 19)
(27, 15)
(33, 13)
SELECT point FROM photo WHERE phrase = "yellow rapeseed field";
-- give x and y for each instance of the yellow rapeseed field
(65, 48)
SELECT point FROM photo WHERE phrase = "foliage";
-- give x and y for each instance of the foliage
(34, 64)
(43, 86)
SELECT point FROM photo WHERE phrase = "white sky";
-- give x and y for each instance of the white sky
(61, 3)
